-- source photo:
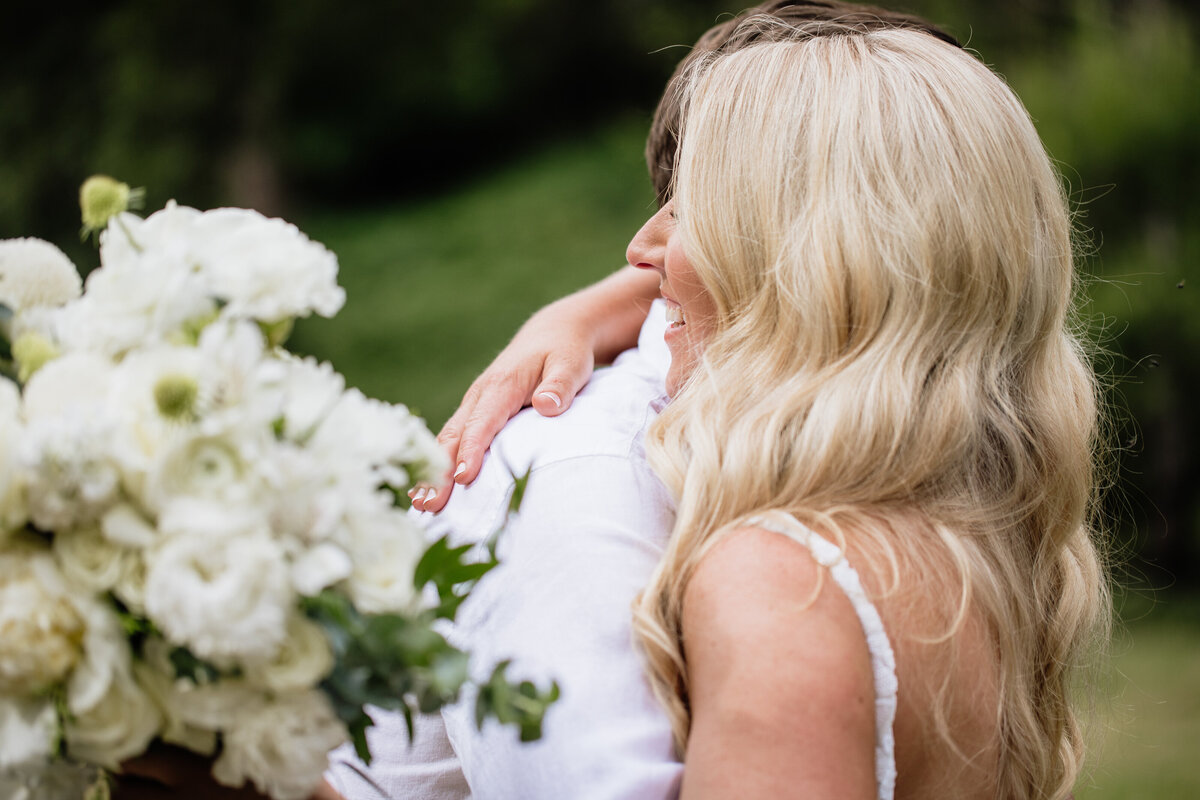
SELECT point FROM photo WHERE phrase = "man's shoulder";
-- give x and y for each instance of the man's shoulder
(607, 418)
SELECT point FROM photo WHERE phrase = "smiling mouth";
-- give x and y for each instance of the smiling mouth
(675, 316)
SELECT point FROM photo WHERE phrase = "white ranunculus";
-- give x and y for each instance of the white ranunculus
(166, 235)
(41, 631)
(281, 745)
(142, 431)
(219, 469)
(265, 269)
(306, 502)
(310, 390)
(241, 383)
(90, 560)
(385, 547)
(386, 438)
(301, 663)
(141, 294)
(218, 583)
(28, 728)
(35, 273)
(118, 726)
(13, 512)
(320, 567)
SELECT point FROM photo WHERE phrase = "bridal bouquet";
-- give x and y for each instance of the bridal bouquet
(203, 537)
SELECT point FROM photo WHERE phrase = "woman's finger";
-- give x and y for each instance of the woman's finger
(481, 427)
(563, 376)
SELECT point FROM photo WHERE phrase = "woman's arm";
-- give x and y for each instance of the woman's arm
(780, 682)
(545, 365)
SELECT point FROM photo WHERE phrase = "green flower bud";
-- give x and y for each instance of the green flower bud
(277, 333)
(32, 351)
(101, 198)
(175, 396)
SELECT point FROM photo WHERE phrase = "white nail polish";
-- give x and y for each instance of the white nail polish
(462, 467)
(553, 398)
(432, 494)
(420, 498)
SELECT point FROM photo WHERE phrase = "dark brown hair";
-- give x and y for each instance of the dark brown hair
(809, 16)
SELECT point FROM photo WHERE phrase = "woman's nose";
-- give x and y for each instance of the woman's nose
(648, 246)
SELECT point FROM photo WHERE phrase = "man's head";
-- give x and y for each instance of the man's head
(739, 32)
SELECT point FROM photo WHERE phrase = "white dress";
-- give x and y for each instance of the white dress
(883, 660)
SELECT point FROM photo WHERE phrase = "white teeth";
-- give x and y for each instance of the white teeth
(674, 315)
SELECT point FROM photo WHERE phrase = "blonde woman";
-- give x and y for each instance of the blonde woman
(882, 432)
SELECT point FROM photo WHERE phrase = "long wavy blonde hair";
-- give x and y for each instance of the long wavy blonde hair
(889, 252)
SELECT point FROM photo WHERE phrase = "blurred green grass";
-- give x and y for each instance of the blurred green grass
(1147, 727)
(435, 289)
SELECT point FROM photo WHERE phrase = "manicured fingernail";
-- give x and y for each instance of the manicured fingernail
(553, 398)
(420, 498)
(412, 492)
(460, 469)
(432, 494)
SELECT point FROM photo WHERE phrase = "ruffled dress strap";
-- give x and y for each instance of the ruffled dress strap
(883, 659)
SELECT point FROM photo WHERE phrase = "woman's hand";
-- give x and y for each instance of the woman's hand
(545, 365)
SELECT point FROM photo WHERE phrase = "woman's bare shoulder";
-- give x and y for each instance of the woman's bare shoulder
(778, 670)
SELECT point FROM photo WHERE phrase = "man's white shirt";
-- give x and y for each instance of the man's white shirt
(591, 528)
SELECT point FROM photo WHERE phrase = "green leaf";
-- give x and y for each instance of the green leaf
(358, 735)
(400, 498)
(523, 704)
(187, 665)
(520, 484)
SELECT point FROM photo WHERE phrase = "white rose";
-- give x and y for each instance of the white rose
(130, 589)
(301, 663)
(266, 269)
(92, 561)
(35, 273)
(28, 728)
(41, 631)
(156, 675)
(212, 706)
(51, 780)
(385, 547)
(119, 726)
(281, 745)
(219, 583)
